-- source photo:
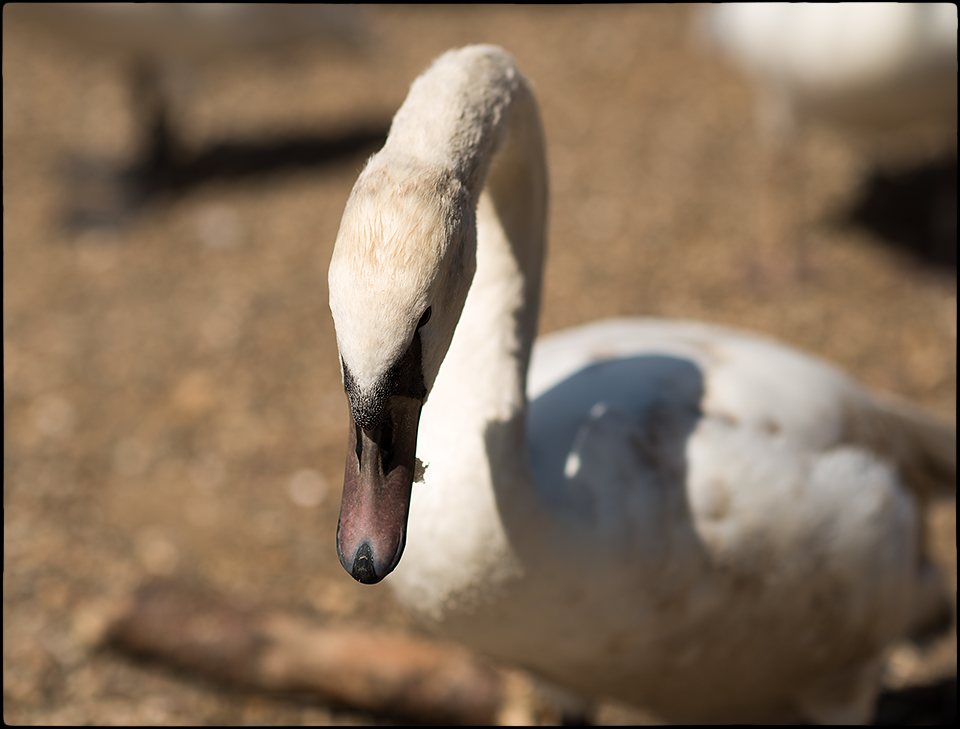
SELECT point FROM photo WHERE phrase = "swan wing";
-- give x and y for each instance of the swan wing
(732, 475)
(629, 416)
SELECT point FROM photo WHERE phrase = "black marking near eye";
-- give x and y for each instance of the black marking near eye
(425, 317)
(405, 379)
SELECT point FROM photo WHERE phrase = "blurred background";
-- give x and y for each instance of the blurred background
(172, 395)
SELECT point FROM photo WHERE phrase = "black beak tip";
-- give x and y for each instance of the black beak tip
(363, 566)
(364, 569)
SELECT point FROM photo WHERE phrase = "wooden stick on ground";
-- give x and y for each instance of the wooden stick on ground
(371, 670)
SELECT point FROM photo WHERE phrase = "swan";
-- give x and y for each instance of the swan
(684, 517)
(882, 74)
(870, 66)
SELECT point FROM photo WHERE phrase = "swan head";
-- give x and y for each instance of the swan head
(402, 265)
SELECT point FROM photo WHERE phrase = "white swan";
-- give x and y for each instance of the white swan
(688, 518)
(881, 66)
(886, 73)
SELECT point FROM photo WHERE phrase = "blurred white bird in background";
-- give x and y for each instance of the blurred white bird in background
(883, 73)
(871, 66)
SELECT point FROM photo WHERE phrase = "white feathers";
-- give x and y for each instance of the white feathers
(684, 517)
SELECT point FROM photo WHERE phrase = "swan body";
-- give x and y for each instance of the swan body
(684, 517)
(881, 66)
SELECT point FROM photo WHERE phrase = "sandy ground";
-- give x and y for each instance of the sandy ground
(172, 401)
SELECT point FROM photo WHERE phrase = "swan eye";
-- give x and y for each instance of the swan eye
(425, 318)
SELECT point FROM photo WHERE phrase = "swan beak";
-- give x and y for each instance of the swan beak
(376, 491)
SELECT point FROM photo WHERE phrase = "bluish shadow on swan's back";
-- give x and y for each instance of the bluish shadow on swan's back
(577, 431)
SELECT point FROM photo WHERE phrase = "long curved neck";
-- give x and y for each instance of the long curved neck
(472, 109)
(478, 118)
(472, 433)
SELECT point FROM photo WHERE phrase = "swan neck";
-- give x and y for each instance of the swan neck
(472, 429)
(456, 115)
(493, 140)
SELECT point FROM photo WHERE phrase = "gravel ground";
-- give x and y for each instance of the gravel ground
(172, 402)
